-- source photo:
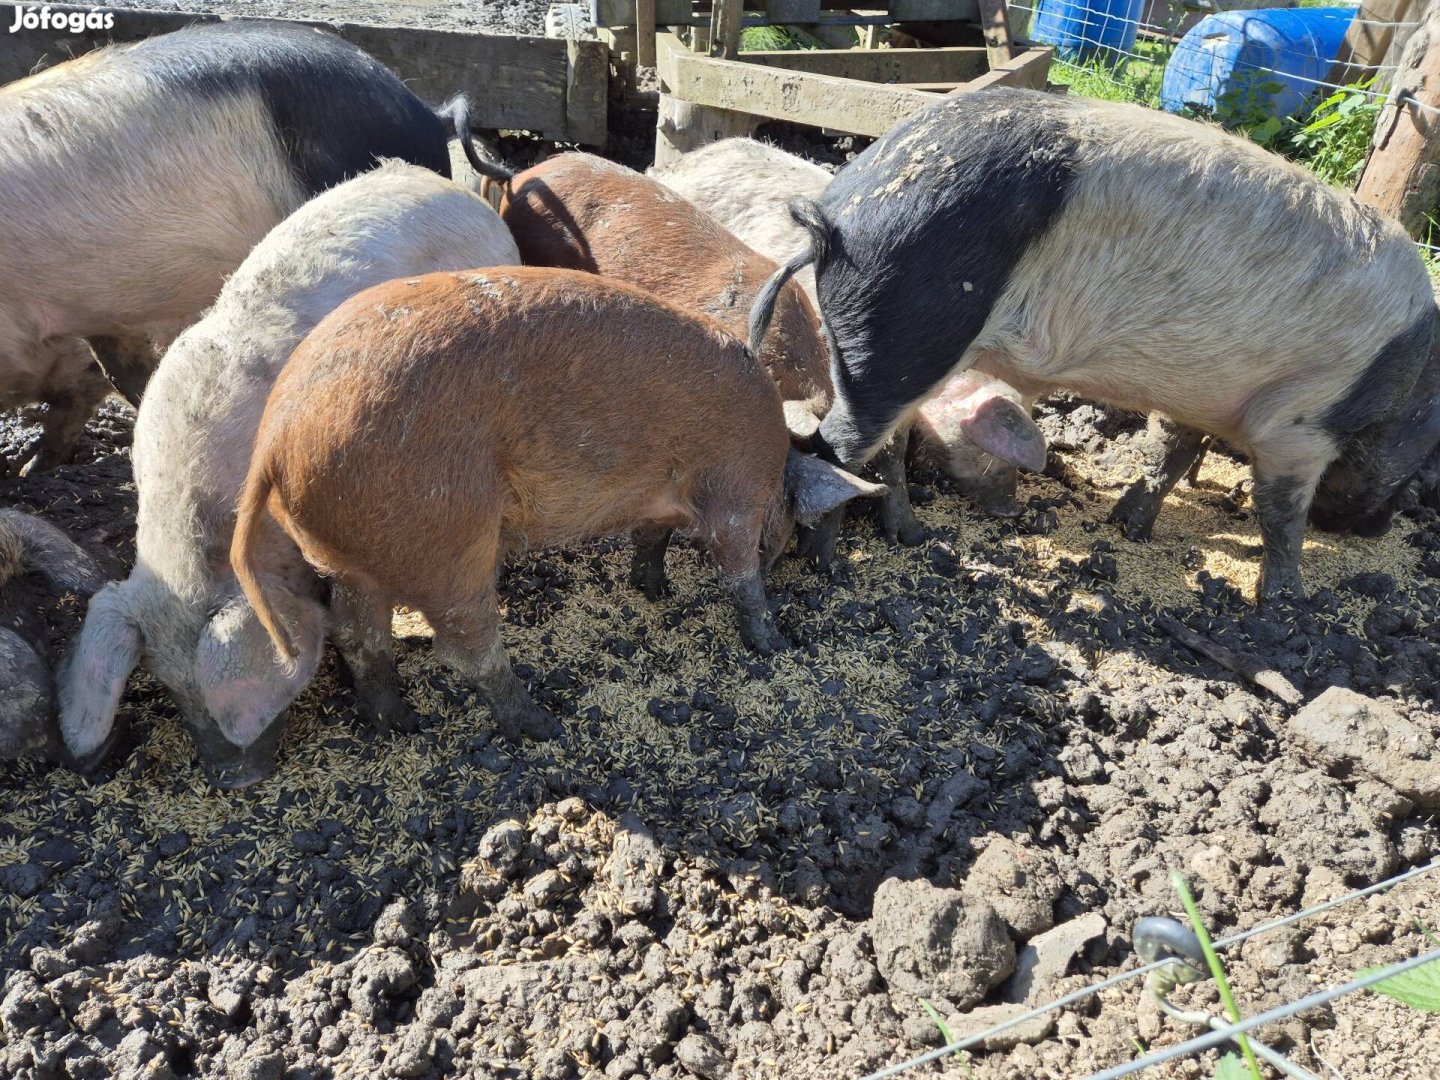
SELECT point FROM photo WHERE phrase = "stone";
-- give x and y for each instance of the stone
(1046, 958)
(965, 1025)
(1021, 883)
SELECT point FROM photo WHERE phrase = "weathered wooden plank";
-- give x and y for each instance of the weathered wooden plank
(1028, 69)
(793, 12)
(880, 65)
(1370, 38)
(523, 83)
(682, 12)
(844, 105)
(931, 10)
(645, 32)
(725, 24)
(587, 104)
(995, 22)
(933, 87)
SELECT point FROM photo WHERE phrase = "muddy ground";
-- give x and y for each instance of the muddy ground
(690, 883)
(685, 885)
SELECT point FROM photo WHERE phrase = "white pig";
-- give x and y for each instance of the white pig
(181, 608)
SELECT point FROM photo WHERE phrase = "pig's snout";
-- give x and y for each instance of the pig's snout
(230, 767)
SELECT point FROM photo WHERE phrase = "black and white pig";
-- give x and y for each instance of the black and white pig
(181, 610)
(747, 185)
(1139, 259)
(136, 177)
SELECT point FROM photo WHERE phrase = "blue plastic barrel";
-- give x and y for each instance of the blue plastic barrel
(1085, 29)
(1226, 61)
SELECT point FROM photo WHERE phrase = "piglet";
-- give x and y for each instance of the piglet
(430, 426)
(582, 212)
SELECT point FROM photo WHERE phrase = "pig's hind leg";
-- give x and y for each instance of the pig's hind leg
(360, 628)
(897, 517)
(733, 539)
(1178, 450)
(75, 388)
(467, 638)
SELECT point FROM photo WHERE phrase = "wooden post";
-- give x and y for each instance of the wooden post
(725, 22)
(995, 22)
(1370, 38)
(645, 33)
(1402, 177)
(682, 126)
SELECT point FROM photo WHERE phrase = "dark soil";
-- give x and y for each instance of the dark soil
(686, 878)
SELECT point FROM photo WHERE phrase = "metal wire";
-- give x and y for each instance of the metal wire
(1125, 976)
(1281, 1012)
(1087, 27)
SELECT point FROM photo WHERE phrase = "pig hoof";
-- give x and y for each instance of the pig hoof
(89, 764)
(238, 777)
(654, 586)
(766, 640)
(1273, 592)
(528, 721)
(1001, 507)
(909, 533)
(1136, 525)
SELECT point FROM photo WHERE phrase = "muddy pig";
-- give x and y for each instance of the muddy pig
(746, 186)
(136, 177)
(430, 426)
(38, 565)
(181, 608)
(1142, 260)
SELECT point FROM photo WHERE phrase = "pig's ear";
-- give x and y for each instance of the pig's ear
(802, 423)
(244, 686)
(92, 676)
(1004, 430)
(816, 487)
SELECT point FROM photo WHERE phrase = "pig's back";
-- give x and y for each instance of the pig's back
(563, 403)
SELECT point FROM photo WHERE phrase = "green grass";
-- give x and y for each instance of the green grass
(1217, 972)
(1135, 79)
(776, 39)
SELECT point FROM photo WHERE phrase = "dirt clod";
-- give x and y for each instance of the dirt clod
(1347, 731)
(931, 941)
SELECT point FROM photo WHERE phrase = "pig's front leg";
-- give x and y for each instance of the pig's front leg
(360, 628)
(1280, 506)
(1180, 450)
(647, 565)
(733, 540)
(897, 518)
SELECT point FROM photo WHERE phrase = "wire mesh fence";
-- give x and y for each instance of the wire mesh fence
(1220, 1033)
(1220, 57)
